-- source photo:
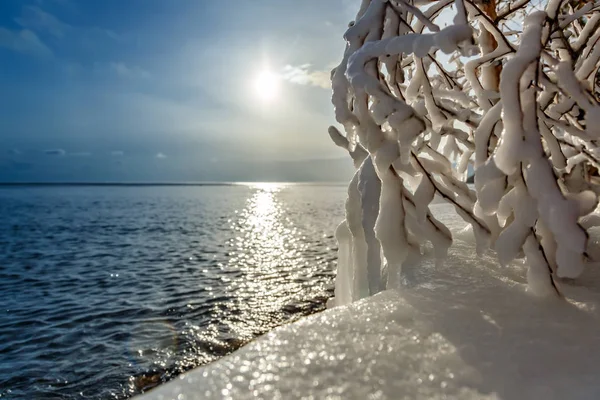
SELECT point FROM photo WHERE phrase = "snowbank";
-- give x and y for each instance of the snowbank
(468, 330)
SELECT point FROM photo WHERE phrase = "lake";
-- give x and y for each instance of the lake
(109, 290)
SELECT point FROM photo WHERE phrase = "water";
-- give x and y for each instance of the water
(107, 291)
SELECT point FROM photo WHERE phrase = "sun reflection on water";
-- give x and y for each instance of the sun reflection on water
(267, 251)
(276, 269)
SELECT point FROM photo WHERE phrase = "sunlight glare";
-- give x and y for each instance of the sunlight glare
(267, 85)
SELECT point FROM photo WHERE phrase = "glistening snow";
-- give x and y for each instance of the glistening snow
(470, 330)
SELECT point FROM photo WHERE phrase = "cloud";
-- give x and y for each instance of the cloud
(124, 71)
(117, 153)
(36, 19)
(59, 2)
(14, 152)
(111, 34)
(55, 152)
(61, 152)
(160, 155)
(24, 41)
(302, 75)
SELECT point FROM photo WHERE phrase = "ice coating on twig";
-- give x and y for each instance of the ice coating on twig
(522, 113)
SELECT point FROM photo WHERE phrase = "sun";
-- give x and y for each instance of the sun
(266, 85)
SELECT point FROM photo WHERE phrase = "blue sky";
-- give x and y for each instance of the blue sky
(164, 90)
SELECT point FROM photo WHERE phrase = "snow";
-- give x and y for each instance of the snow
(468, 330)
(526, 119)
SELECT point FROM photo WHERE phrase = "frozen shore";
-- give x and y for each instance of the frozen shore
(469, 330)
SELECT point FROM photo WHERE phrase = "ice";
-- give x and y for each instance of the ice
(343, 284)
(389, 228)
(484, 132)
(369, 187)
(358, 261)
(423, 196)
(524, 113)
(470, 330)
(510, 241)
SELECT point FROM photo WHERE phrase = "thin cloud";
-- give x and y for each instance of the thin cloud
(111, 34)
(302, 75)
(81, 154)
(36, 19)
(90, 34)
(55, 152)
(24, 41)
(160, 155)
(14, 152)
(59, 2)
(117, 153)
(124, 71)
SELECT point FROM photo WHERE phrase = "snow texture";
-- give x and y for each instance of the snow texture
(518, 100)
(470, 330)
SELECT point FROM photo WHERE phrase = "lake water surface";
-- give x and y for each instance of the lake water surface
(105, 291)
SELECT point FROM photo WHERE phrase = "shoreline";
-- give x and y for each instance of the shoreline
(468, 330)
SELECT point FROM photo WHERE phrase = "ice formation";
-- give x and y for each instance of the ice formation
(517, 98)
(440, 338)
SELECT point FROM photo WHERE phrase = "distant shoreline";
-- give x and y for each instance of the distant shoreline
(150, 184)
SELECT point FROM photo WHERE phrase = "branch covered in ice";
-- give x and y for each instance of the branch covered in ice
(513, 98)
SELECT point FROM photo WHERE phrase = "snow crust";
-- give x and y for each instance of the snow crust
(468, 330)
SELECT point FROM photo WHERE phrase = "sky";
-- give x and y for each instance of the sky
(158, 90)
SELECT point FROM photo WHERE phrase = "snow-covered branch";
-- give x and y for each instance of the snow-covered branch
(517, 100)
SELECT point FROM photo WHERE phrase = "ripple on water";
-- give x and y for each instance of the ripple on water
(107, 291)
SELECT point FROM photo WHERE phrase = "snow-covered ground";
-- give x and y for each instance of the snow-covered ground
(468, 330)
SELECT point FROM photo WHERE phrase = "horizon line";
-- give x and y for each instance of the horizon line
(185, 183)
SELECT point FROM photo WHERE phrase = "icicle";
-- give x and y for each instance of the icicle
(360, 284)
(369, 187)
(344, 274)
(389, 228)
